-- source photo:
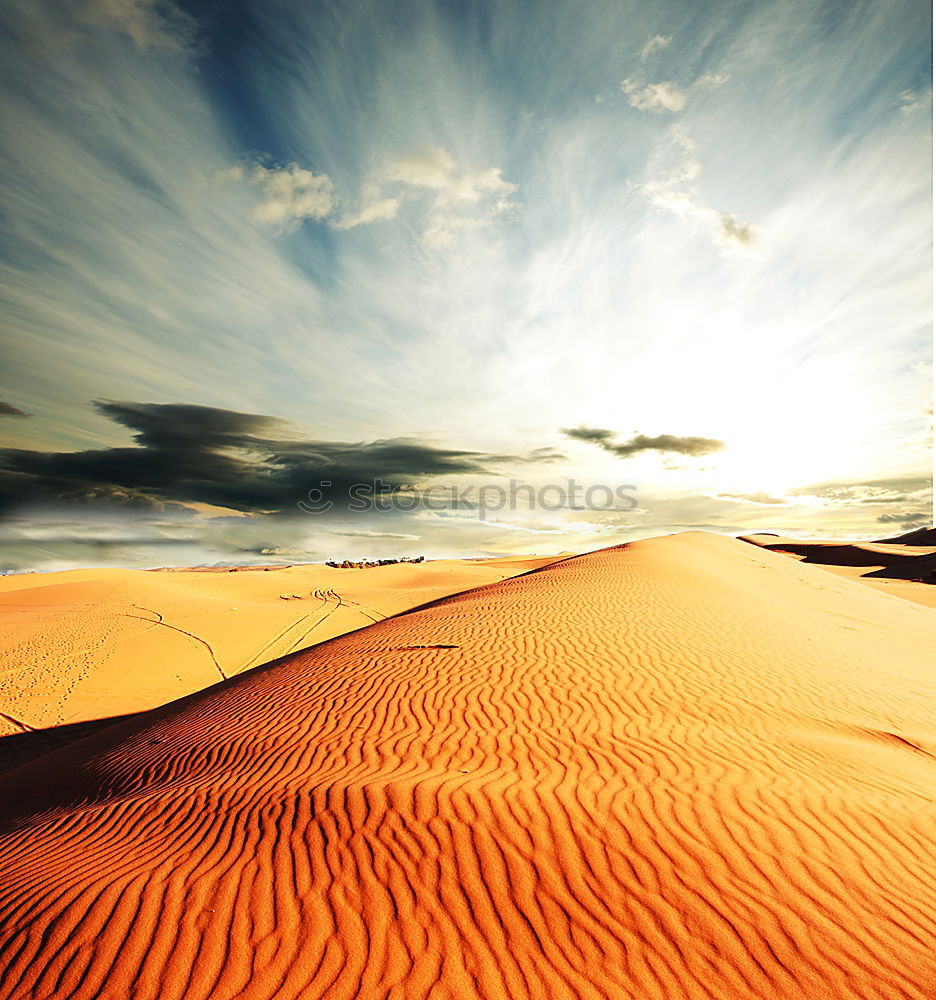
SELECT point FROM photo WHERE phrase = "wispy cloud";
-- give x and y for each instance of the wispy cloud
(760, 497)
(373, 206)
(654, 44)
(667, 95)
(676, 191)
(152, 25)
(912, 101)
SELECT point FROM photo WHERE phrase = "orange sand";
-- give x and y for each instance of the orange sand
(685, 768)
(90, 644)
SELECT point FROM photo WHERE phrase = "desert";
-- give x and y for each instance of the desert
(466, 500)
(81, 647)
(680, 767)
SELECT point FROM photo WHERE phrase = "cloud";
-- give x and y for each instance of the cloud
(710, 81)
(654, 44)
(903, 500)
(664, 443)
(912, 101)
(730, 231)
(675, 191)
(103, 496)
(909, 519)
(289, 195)
(436, 170)
(594, 435)
(8, 410)
(756, 498)
(401, 535)
(666, 96)
(241, 461)
(895, 489)
(658, 97)
(430, 168)
(124, 278)
(374, 207)
(152, 25)
(462, 199)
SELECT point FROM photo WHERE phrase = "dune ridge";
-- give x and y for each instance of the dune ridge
(682, 768)
(79, 646)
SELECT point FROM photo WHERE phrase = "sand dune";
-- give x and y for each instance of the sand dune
(904, 566)
(685, 768)
(919, 536)
(88, 644)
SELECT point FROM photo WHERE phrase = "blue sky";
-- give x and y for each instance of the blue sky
(461, 228)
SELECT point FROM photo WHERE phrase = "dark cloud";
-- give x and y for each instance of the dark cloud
(8, 410)
(105, 495)
(546, 455)
(158, 425)
(672, 444)
(594, 435)
(243, 461)
(914, 519)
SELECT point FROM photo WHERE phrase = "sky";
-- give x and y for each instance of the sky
(289, 281)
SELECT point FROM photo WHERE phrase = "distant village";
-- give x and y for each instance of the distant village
(366, 563)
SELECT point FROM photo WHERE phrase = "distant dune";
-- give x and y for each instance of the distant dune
(683, 768)
(85, 645)
(919, 536)
(904, 566)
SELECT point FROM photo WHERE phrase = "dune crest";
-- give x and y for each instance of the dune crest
(683, 768)
(83, 645)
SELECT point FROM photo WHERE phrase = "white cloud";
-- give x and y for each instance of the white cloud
(436, 170)
(911, 101)
(374, 208)
(157, 25)
(710, 80)
(462, 200)
(654, 44)
(666, 95)
(674, 192)
(430, 168)
(289, 194)
(443, 226)
(403, 536)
